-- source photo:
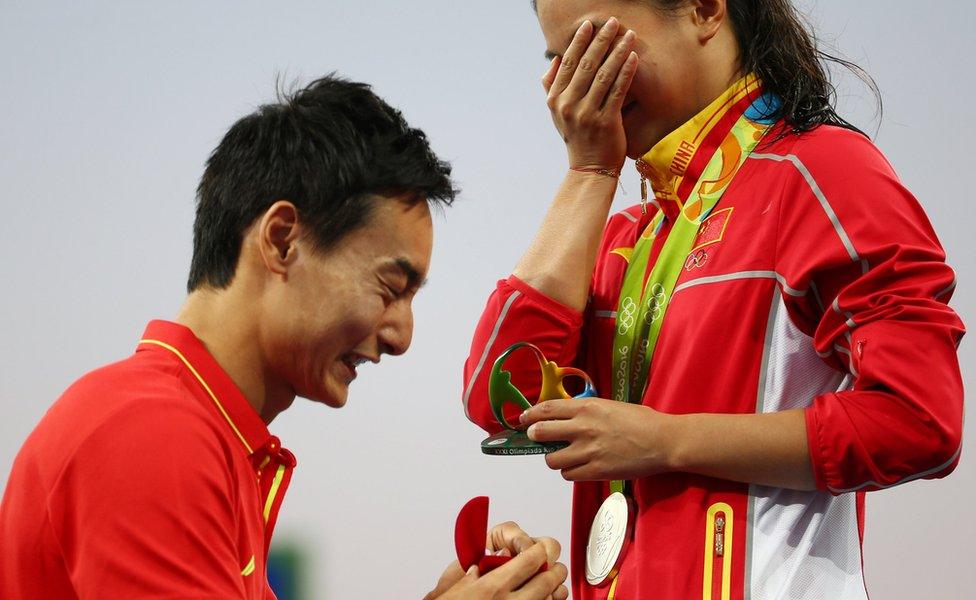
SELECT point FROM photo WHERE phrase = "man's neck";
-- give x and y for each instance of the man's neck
(228, 328)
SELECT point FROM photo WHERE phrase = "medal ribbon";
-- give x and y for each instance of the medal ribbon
(642, 308)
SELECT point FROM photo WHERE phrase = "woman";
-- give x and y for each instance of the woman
(768, 331)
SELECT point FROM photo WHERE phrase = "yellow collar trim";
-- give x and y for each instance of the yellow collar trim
(206, 388)
(665, 164)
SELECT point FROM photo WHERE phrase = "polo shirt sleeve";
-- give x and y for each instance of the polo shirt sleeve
(877, 309)
(145, 507)
(516, 312)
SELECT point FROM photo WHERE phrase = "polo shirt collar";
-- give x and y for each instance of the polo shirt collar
(244, 422)
(674, 164)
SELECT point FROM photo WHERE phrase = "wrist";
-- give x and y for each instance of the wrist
(612, 172)
(595, 161)
(592, 179)
(675, 434)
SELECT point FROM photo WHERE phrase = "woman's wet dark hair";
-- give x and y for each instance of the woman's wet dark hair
(778, 46)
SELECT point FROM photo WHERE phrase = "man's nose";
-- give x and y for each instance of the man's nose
(397, 333)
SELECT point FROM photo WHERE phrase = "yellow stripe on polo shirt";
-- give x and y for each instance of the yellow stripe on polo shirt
(205, 387)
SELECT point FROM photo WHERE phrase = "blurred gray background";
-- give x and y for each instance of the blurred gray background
(108, 111)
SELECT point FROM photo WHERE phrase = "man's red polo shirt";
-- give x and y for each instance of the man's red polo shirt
(151, 477)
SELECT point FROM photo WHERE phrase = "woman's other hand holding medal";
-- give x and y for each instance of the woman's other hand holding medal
(608, 440)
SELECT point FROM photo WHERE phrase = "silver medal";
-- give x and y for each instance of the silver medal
(609, 538)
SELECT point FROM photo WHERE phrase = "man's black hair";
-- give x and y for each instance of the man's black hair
(329, 148)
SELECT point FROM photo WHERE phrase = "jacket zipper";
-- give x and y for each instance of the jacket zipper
(717, 581)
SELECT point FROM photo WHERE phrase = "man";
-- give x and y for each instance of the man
(157, 476)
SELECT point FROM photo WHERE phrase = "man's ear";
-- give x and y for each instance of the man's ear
(277, 234)
(708, 16)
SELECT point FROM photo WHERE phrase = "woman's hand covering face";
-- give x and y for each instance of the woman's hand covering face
(586, 88)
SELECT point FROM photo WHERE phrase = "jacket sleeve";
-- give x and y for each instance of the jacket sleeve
(876, 308)
(516, 312)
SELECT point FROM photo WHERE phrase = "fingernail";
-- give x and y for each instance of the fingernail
(522, 416)
(583, 26)
(610, 22)
(531, 431)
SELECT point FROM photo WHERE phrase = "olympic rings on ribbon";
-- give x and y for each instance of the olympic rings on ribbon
(627, 316)
(656, 304)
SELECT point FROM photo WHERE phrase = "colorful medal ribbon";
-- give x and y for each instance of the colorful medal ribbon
(642, 308)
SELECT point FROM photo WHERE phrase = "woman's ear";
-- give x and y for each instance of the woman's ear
(708, 16)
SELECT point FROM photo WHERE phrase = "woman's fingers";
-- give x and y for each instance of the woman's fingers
(592, 60)
(615, 99)
(553, 431)
(567, 458)
(579, 85)
(608, 73)
(552, 410)
(550, 76)
(569, 60)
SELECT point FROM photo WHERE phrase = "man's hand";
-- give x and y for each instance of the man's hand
(510, 537)
(517, 579)
(607, 439)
